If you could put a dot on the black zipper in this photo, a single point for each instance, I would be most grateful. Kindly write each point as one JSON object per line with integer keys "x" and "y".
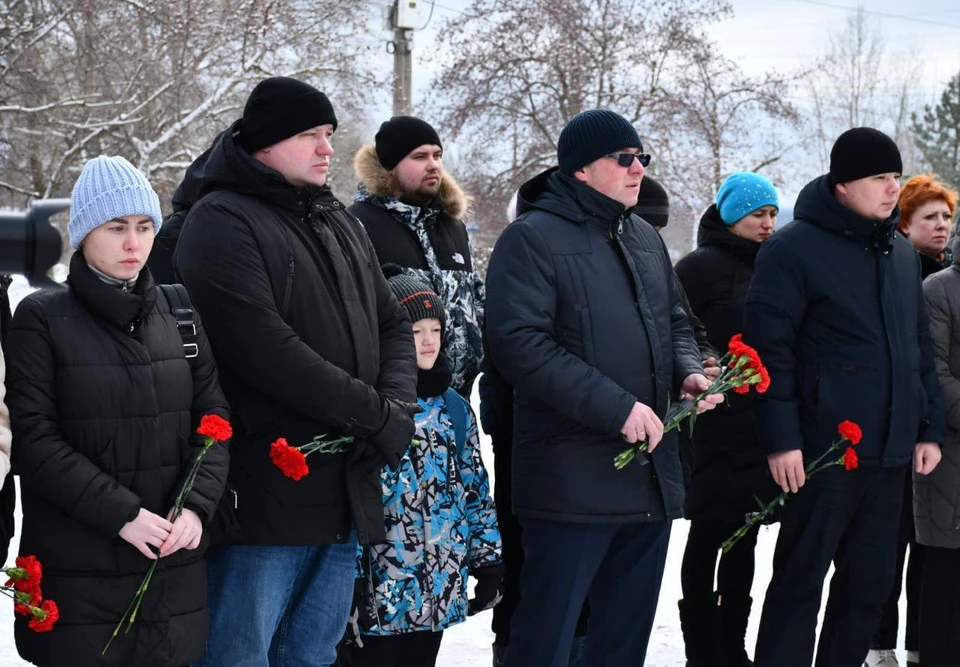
{"x": 291, "y": 274}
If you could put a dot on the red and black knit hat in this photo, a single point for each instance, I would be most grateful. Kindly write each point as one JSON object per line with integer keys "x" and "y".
{"x": 416, "y": 296}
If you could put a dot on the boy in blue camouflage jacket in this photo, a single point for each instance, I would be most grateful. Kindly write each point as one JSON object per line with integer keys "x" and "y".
{"x": 441, "y": 521}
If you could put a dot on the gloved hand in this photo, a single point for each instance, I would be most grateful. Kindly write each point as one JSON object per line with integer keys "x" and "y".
{"x": 489, "y": 588}
{"x": 394, "y": 436}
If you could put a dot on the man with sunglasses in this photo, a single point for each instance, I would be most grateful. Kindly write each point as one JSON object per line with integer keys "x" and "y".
{"x": 585, "y": 322}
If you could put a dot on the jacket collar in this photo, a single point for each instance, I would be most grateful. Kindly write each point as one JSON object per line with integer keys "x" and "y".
{"x": 713, "y": 232}
{"x": 568, "y": 198}
{"x": 108, "y": 302}
{"x": 818, "y": 205}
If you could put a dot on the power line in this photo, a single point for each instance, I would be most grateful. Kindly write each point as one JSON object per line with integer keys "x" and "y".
{"x": 900, "y": 17}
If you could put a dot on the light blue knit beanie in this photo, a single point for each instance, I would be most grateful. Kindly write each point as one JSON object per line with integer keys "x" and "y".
{"x": 109, "y": 187}
{"x": 743, "y": 193}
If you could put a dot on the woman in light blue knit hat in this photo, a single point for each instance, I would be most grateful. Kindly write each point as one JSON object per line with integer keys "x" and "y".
{"x": 730, "y": 468}
{"x": 104, "y": 405}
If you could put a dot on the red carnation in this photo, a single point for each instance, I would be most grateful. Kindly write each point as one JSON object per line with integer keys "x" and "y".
{"x": 215, "y": 427}
{"x": 44, "y": 619}
{"x": 764, "y": 380}
{"x": 29, "y": 583}
{"x": 850, "y": 459}
{"x": 290, "y": 460}
{"x": 850, "y": 431}
{"x": 742, "y": 389}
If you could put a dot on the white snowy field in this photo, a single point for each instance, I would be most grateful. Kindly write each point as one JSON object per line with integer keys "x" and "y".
{"x": 468, "y": 645}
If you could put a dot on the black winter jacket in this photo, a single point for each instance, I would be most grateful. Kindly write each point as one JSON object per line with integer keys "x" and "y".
{"x": 731, "y": 467}
{"x": 836, "y": 311}
{"x": 583, "y": 320}
{"x": 309, "y": 340}
{"x": 104, "y": 408}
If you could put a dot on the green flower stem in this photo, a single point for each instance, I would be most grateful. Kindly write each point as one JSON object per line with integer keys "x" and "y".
{"x": 765, "y": 510}
{"x": 130, "y": 615}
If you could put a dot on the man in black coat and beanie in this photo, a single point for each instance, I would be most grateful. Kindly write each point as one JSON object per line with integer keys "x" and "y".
{"x": 585, "y": 323}
{"x": 836, "y": 312}
{"x": 310, "y": 341}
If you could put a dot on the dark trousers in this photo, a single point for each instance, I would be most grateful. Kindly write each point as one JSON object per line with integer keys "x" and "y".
{"x": 940, "y": 608}
{"x": 850, "y": 519}
{"x": 886, "y": 637}
{"x": 411, "y": 649}
{"x": 619, "y": 566}
{"x": 512, "y": 553}
{"x": 735, "y": 574}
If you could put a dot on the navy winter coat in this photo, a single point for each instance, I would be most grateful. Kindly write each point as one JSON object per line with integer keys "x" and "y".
{"x": 583, "y": 320}
{"x": 836, "y": 311}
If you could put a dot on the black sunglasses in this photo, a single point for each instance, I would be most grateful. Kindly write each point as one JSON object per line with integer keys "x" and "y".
{"x": 626, "y": 159}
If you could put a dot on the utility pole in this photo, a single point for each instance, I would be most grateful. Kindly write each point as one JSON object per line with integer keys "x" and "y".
{"x": 404, "y": 19}
{"x": 402, "y": 70}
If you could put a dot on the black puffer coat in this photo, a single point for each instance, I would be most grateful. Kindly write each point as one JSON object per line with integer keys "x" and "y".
{"x": 104, "y": 407}
{"x": 583, "y": 320}
{"x": 731, "y": 467}
{"x": 309, "y": 340}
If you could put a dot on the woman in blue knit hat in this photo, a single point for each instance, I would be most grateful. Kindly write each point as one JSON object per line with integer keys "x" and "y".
{"x": 105, "y": 394}
{"x": 730, "y": 468}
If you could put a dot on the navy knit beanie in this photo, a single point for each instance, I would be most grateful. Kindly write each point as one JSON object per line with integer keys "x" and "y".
{"x": 653, "y": 204}
{"x": 592, "y": 134}
{"x": 279, "y": 108}
{"x": 862, "y": 152}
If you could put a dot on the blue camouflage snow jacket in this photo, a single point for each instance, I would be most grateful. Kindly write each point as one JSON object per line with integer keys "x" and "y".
{"x": 441, "y": 524}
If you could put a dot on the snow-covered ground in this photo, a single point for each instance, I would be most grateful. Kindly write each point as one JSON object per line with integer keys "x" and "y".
{"x": 468, "y": 645}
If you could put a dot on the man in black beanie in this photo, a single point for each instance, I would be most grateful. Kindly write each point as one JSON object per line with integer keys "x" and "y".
{"x": 585, "y": 323}
{"x": 836, "y": 312}
{"x": 309, "y": 340}
{"x": 413, "y": 211}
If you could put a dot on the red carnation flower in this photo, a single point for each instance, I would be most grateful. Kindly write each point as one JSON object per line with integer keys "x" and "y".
{"x": 44, "y": 619}
{"x": 850, "y": 431}
{"x": 215, "y": 427}
{"x": 742, "y": 389}
{"x": 850, "y": 459}
{"x": 764, "y": 380}
{"x": 30, "y": 582}
{"x": 290, "y": 460}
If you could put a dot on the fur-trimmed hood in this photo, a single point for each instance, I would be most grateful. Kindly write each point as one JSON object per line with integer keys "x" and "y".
{"x": 452, "y": 199}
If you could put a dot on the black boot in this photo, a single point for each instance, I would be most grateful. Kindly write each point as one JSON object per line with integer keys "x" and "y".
{"x": 698, "y": 622}
{"x": 499, "y": 653}
{"x": 734, "y": 614}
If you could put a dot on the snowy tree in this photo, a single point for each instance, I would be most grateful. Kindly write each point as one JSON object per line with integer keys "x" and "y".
{"x": 155, "y": 82}
{"x": 514, "y": 73}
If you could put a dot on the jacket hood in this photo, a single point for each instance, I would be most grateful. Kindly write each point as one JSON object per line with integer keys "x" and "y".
{"x": 227, "y": 166}
{"x": 713, "y": 232}
{"x": 568, "y": 198}
{"x": 451, "y": 199}
{"x": 818, "y": 205}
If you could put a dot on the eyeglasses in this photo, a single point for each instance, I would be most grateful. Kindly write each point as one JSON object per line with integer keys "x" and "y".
{"x": 626, "y": 159}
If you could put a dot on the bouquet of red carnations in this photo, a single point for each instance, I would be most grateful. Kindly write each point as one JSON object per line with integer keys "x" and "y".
{"x": 24, "y": 587}
{"x": 740, "y": 369}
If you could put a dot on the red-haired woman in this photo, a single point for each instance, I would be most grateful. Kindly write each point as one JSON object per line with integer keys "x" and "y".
{"x": 927, "y": 207}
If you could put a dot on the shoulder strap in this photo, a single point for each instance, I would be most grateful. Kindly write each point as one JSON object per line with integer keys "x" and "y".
{"x": 457, "y": 409}
{"x": 182, "y": 310}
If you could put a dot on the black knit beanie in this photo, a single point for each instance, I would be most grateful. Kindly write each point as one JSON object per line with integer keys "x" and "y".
{"x": 653, "y": 205}
{"x": 416, "y": 296}
{"x": 862, "y": 152}
{"x": 591, "y": 135}
{"x": 399, "y": 136}
{"x": 279, "y": 108}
